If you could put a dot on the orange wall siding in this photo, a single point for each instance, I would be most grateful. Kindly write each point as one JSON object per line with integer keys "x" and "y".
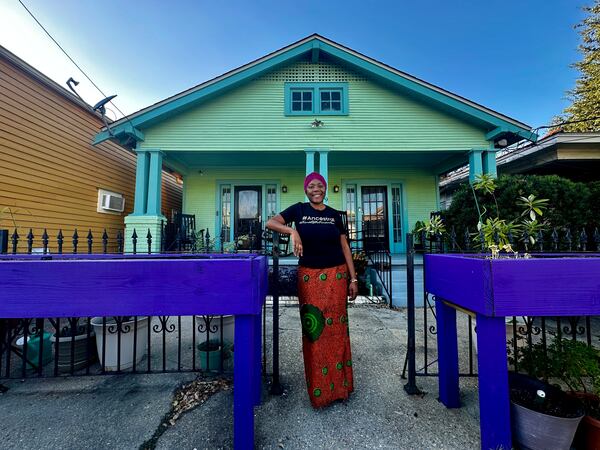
{"x": 49, "y": 171}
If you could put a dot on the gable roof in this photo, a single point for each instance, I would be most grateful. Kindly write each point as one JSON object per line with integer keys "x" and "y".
{"x": 129, "y": 129}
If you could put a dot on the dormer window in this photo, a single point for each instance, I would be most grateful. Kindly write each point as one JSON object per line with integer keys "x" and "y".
{"x": 304, "y": 99}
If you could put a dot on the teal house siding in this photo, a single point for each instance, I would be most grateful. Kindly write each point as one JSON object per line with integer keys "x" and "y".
{"x": 252, "y": 118}
{"x": 243, "y": 153}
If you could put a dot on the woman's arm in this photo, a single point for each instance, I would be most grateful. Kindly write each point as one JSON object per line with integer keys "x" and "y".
{"x": 277, "y": 223}
{"x": 353, "y": 287}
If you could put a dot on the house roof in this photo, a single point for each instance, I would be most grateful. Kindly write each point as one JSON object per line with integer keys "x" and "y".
{"x": 130, "y": 129}
{"x": 574, "y": 154}
{"x": 43, "y": 79}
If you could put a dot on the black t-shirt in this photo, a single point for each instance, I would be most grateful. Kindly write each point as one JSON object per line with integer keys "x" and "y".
{"x": 320, "y": 233}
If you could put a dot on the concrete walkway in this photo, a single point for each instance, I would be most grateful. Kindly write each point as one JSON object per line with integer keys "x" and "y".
{"x": 122, "y": 412}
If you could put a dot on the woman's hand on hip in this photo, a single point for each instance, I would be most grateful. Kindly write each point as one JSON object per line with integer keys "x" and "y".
{"x": 296, "y": 243}
{"x": 353, "y": 290}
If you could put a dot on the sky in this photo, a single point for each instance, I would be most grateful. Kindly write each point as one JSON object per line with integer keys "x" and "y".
{"x": 513, "y": 56}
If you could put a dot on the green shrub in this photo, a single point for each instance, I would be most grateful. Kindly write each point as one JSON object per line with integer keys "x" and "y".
{"x": 571, "y": 204}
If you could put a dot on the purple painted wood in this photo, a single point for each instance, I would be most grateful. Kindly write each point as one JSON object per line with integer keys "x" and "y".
{"x": 447, "y": 355}
{"x": 492, "y": 365}
{"x": 459, "y": 279}
{"x": 131, "y": 286}
{"x": 110, "y": 285}
{"x": 540, "y": 286}
{"x": 244, "y": 396}
{"x": 546, "y": 285}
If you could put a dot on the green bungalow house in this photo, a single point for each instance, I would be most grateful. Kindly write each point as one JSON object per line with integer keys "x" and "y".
{"x": 244, "y": 141}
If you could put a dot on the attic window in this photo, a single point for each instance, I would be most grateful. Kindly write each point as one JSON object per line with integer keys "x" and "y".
{"x": 302, "y": 100}
{"x": 306, "y": 99}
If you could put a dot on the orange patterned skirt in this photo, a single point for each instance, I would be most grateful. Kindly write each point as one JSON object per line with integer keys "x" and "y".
{"x": 323, "y": 297}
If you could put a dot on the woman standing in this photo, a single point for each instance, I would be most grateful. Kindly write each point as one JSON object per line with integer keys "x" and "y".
{"x": 326, "y": 277}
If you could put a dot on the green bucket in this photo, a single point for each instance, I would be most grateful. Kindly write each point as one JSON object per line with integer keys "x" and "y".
{"x": 33, "y": 349}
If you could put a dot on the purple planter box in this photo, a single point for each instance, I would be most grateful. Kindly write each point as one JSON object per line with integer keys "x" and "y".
{"x": 37, "y": 286}
{"x": 549, "y": 285}
{"x": 545, "y": 285}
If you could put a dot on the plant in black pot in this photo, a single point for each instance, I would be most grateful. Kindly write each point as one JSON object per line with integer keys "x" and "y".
{"x": 542, "y": 415}
{"x": 577, "y": 366}
{"x": 360, "y": 266}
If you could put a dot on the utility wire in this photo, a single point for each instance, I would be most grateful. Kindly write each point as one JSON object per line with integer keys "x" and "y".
{"x": 70, "y": 59}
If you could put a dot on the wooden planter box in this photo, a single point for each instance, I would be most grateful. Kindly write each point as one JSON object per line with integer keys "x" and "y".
{"x": 39, "y": 286}
{"x": 545, "y": 285}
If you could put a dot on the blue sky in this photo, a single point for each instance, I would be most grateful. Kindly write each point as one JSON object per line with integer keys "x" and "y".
{"x": 512, "y": 56}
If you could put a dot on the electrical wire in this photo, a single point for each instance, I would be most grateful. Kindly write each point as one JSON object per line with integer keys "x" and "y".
{"x": 71, "y": 59}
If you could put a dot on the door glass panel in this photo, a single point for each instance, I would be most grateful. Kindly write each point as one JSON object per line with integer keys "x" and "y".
{"x": 271, "y": 201}
{"x": 397, "y": 213}
{"x": 375, "y": 230}
{"x": 351, "y": 210}
{"x": 248, "y": 215}
{"x": 225, "y": 213}
{"x": 248, "y": 204}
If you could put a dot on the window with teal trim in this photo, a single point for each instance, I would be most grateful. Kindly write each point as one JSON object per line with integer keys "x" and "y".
{"x": 331, "y": 100}
{"x": 397, "y": 213}
{"x": 225, "y": 212}
{"x": 271, "y": 201}
{"x": 302, "y": 100}
{"x": 316, "y": 99}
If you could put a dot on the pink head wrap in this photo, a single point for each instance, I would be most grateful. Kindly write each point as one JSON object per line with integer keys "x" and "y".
{"x": 314, "y": 176}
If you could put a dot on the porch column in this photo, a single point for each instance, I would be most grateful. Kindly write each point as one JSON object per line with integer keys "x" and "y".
{"x": 154, "y": 183}
{"x": 141, "y": 183}
{"x": 310, "y": 161}
{"x": 323, "y": 163}
{"x": 489, "y": 163}
{"x": 475, "y": 164}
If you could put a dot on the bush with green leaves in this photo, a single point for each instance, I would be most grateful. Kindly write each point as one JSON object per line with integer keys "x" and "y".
{"x": 570, "y": 204}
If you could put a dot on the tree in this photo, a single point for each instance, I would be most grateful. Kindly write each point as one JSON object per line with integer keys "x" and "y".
{"x": 586, "y": 94}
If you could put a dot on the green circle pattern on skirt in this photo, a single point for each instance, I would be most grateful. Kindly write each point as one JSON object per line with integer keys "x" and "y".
{"x": 338, "y": 276}
{"x": 329, "y": 321}
{"x": 331, "y": 386}
{"x": 324, "y": 370}
{"x": 323, "y": 277}
{"x": 349, "y": 363}
{"x": 313, "y": 322}
{"x": 317, "y": 392}
{"x": 306, "y": 278}
{"x": 339, "y": 366}
{"x": 343, "y": 319}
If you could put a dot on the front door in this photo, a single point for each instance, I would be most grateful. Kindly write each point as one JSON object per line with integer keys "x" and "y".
{"x": 247, "y": 217}
{"x": 374, "y": 217}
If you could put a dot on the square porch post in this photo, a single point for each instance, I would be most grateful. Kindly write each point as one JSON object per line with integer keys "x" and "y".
{"x": 154, "y": 183}
{"x": 141, "y": 183}
{"x": 489, "y": 163}
{"x": 310, "y": 161}
{"x": 475, "y": 164}
{"x": 324, "y": 166}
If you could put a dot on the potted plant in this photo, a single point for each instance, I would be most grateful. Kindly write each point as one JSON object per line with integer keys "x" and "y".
{"x": 75, "y": 346}
{"x": 211, "y": 352}
{"x": 121, "y": 329}
{"x": 360, "y": 266}
{"x": 543, "y": 416}
{"x": 577, "y": 366}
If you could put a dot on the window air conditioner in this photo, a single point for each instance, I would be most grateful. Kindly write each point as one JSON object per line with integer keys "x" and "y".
{"x": 112, "y": 202}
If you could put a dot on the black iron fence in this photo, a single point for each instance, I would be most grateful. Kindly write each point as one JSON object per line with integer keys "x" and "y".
{"x": 104, "y": 345}
{"x": 522, "y": 332}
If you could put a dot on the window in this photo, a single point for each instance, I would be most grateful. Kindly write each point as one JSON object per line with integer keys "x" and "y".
{"x": 302, "y": 100}
{"x": 316, "y": 99}
{"x": 397, "y": 213}
{"x": 331, "y": 100}
{"x": 225, "y": 212}
{"x": 271, "y": 201}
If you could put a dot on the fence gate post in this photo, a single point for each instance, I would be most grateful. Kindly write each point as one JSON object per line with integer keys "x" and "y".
{"x": 411, "y": 387}
{"x": 276, "y": 388}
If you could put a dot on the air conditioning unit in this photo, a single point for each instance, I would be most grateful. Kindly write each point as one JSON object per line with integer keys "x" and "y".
{"x": 111, "y": 201}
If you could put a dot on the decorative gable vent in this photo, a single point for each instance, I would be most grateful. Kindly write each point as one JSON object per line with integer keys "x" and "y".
{"x": 110, "y": 202}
